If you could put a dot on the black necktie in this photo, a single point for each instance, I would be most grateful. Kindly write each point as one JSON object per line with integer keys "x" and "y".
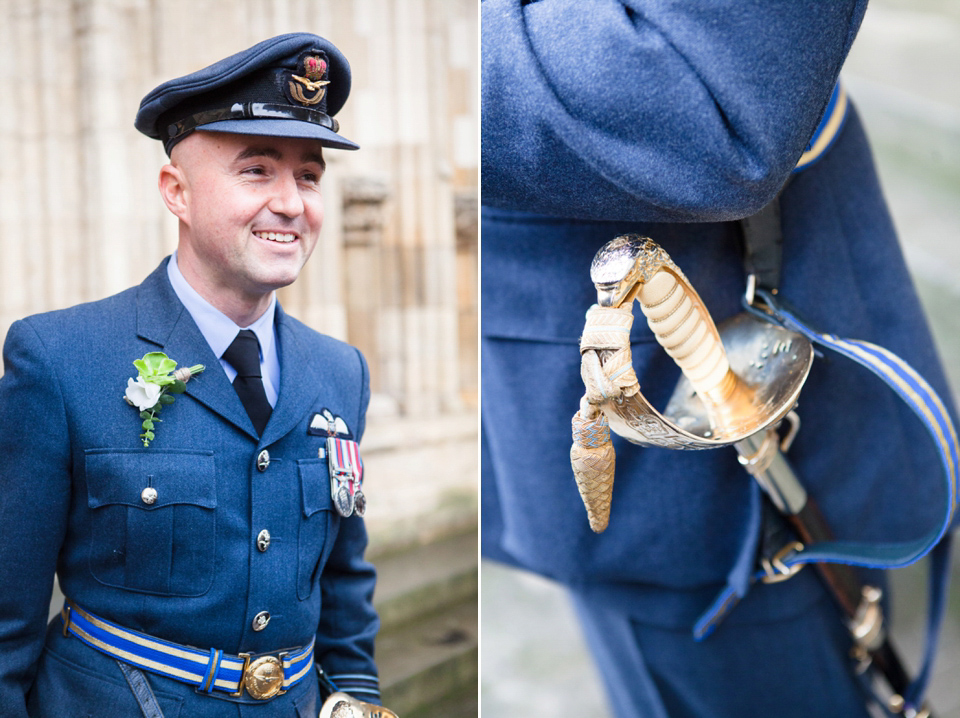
{"x": 244, "y": 356}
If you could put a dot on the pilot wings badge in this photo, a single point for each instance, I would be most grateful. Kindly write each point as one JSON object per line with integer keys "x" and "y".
{"x": 326, "y": 423}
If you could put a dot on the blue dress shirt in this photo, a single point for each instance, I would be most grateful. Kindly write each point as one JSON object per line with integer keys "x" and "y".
{"x": 220, "y": 330}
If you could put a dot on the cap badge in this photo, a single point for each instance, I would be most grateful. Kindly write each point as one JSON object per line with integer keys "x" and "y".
{"x": 310, "y": 88}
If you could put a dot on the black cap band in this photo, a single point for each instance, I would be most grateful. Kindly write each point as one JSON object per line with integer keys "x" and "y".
{"x": 247, "y": 110}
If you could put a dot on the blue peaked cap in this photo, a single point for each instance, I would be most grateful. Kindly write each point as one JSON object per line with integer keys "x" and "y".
{"x": 288, "y": 86}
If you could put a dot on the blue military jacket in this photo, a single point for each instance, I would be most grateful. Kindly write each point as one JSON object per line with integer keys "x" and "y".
{"x": 186, "y": 568}
{"x": 671, "y": 120}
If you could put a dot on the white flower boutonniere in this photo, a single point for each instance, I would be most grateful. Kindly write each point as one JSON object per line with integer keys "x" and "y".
{"x": 154, "y": 388}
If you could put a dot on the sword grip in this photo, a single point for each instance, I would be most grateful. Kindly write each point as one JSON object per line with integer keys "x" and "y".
{"x": 684, "y": 328}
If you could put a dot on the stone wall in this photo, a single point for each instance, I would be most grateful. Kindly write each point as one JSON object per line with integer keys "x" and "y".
{"x": 81, "y": 218}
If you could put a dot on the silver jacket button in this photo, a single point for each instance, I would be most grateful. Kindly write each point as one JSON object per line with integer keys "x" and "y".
{"x": 261, "y": 620}
{"x": 263, "y": 460}
{"x": 263, "y": 540}
{"x": 149, "y": 495}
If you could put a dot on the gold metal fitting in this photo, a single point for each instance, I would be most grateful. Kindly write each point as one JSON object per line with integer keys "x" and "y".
{"x": 263, "y": 678}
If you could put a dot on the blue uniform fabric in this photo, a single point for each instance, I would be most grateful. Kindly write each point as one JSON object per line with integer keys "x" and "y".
{"x": 185, "y": 569}
{"x": 670, "y": 119}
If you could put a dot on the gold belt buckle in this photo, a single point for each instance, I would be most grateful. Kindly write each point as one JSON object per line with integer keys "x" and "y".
{"x": 263, "y": 678}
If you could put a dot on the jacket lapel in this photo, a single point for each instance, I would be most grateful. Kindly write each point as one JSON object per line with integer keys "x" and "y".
{"x": 300, "y": 382}
{"x": 163, "y": 320}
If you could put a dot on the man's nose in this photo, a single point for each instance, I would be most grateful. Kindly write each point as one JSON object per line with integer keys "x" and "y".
{"x": 286, "y": 199}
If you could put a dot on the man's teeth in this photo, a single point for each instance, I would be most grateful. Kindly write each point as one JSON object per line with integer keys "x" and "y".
{"x": 276, "y": 236}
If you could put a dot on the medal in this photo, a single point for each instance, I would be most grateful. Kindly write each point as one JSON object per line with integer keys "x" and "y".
{"x": 346, "y": 476}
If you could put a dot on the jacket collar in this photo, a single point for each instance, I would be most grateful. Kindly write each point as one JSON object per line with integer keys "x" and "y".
{"x": 163, "y": 320}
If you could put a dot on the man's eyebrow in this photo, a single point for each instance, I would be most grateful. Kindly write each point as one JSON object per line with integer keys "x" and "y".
{"x": 314, "y": 157}
{"x": 252, "y": 152}
{"x": 275, "y": 154}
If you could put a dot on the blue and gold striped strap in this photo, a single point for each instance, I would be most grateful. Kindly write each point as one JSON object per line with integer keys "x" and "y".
{"x": 828, "y": 130}
{"x": 929, "y": 408}
{"x": 206, "y": 670}
{"x": 364, "y": 686}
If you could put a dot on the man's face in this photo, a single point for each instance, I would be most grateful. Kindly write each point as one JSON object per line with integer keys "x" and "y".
{"x": 252, "y": 211}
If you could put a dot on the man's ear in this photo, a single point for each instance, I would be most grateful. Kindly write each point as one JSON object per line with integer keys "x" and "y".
{"x": 175, "y": 191}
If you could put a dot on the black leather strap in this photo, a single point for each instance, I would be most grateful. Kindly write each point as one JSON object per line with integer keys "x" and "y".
{"x": 763, "y": 246}
{"x": 247, "y": 111}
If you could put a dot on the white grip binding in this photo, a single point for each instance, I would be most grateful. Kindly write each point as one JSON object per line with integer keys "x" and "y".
{"x": 683, "y": 327}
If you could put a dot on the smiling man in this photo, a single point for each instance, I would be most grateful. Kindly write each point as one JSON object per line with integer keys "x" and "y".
{"x": 250, "y": 212}
{"x": 211, "y": 553}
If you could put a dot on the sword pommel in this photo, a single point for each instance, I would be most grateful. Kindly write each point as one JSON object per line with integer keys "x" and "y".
{"x": 622, "y": 265}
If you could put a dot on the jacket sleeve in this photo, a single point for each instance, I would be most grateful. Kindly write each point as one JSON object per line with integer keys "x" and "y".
{"x": 348, "y": 621}
{"x": 653, "y": 110}
{"x": 34, "y": 499}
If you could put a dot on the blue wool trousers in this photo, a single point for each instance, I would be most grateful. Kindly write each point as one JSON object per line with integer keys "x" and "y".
{"x": 743, "y": 670}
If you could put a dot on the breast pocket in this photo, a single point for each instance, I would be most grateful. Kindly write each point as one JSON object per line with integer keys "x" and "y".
{"x": 153, "y": 527}
{"x": 318, "y": 525}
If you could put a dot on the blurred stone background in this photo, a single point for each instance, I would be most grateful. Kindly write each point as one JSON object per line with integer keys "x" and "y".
{"x": 395, "y": 272}
{"x": 903, "y": 76}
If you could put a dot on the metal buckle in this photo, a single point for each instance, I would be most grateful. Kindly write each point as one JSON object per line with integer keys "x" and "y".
{"x": 867, "y": 625}
{"x": 263, "y": 678}
{"x": 776, "y": 569}
{"x": 66, "y": 619}
{"x": 751, "y": 292}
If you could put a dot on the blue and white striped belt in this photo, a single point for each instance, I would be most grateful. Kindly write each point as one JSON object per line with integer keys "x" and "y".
{"x": 263, "y": 677}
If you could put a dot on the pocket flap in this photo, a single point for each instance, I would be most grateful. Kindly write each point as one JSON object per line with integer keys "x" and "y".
{"x": 314, "y": 486}
{"x": 119, "y": 476}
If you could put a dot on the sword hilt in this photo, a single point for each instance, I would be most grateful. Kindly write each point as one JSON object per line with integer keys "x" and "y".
{"x": 737, "y": 380}
{"x": 684, "y": 328}
{"x": 633, "y": 267}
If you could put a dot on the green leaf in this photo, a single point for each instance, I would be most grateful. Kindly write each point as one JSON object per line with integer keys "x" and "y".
{"x": 146, "y": 414}
{"x": 178, "y": 387}
{"x": 160, "y": 380}
{"x": 149, "y": 435}
{"x": 142, "y": 368}
{"x": 166, "y": 399}
{"x": 148, "y": 424}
